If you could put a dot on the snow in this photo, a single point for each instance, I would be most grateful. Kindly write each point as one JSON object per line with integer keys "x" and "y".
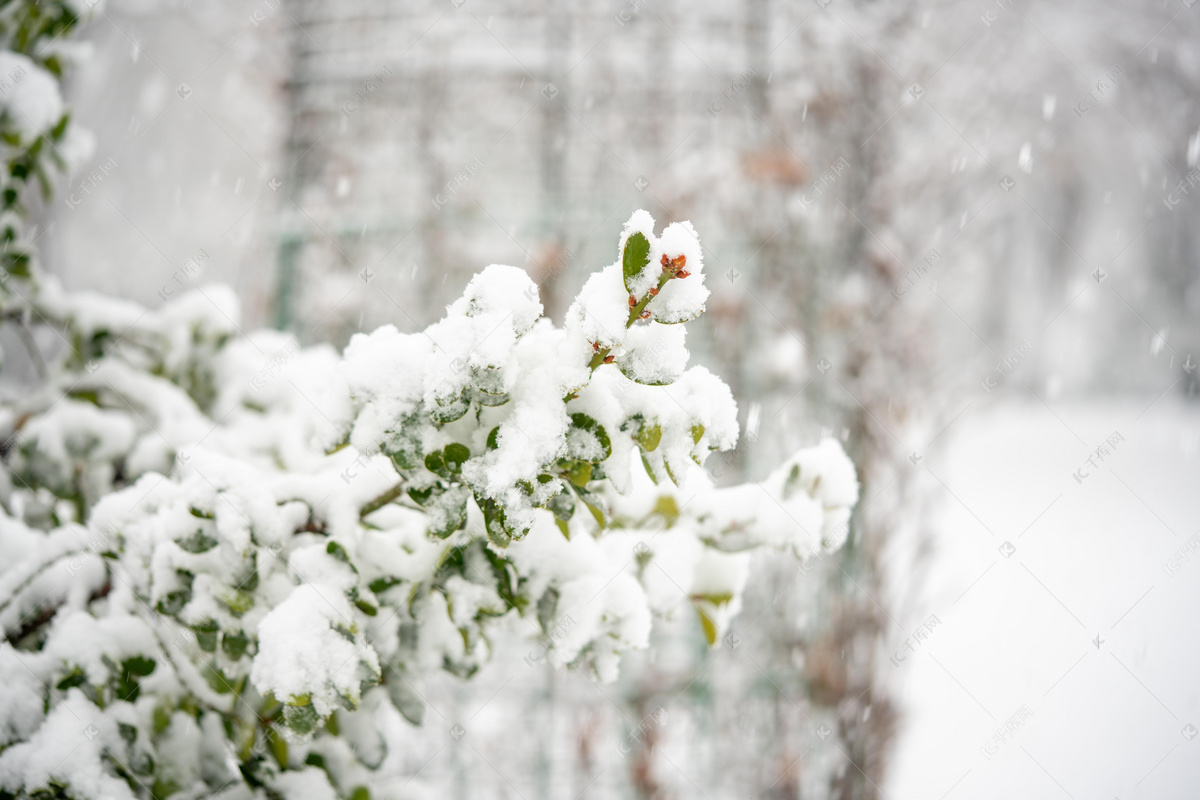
{"x": 654, "y": 353}
{"x": 71, "y": 433}
{"x": 706, "y": 399}
{"x": 468, "y": 599}
{"x": 308, "y": 646}
{"x": 66, "y": 748}
{"x": 605, "y": 616}
{"x": 384, "y": 373}
{"x": 304, "y": 784}
{"x": 21, "y": 701}
{"x": 683, "y": 298}
{"x": 29, "y": 95}
{"x": 1025, "y": 158}
{"x": 36, "y": 568}
{"x": 1113, "y": 558}
{"x": 825, "y": 473}
{"x": 179, "y": 749}
{"x": 78, "y": 639}
{"x": 600, "y": 310}
{"x": 499, "y": 291}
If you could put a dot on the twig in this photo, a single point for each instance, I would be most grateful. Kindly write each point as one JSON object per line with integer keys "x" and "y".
{"x": 382, "y": 500}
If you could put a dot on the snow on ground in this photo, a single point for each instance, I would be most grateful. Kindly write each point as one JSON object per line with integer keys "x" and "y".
{"x": 1066, "y": 657}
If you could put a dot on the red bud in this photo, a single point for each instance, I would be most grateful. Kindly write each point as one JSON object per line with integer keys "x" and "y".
{"x": 675, "y": 266}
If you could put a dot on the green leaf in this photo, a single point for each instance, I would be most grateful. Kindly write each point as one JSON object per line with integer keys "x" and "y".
{"x": 198, "y": 542}
{"x": 382, "y": 584}
{"x": 489, "y": 399}
{"x": 704, "y": 603}
{"x": 697, "y": 433}
{"x": 404, "y": 446}
{"x": 173, "y": 602}
{"x": 649, "y": 436}
{"x": 218, "y": 681}
{"x": 562, "y": 504}
{"x": 454, "y": 456}
{"x": 270, "y": 708}
{"x": 161, "y": 718}
{"x": 138, "y": 665}
{"x": 595, "y": 504}
{"x": 494, "y": 520}
{"x": 279, "y": 746}
{"x": 247, "y": 580}
{"x": 649, "y": 469}
{"x": 635, "y": 258}
{"x": 670, "y": 473}
{"x": 791, "y": 483}
{"x": 584, "y": 436}
{"x": 448, "y": 513}
{"x": 301, "y": 719}
{"x": 492, "y": 439}
{"x": 238, "y": 602}
{"x": 488, "y": 379}
{"x": 421, "y": 495}
{"x": 163, "y": 788}
{"x": 206, "y": 635}
{"x": 234, "y": 645}
{"x": 628, "y": 364}
{"x": 450, "y": 409}
{"x": 366, "y": 607}
{"x": 579, "y": 472}
{"x": 666, "y": 507}
{"x": 508, "y": 582}
{"x": 404, "y": 697}
{"x": 336, "y": 550}
{"x": 710, "y": 627}
{"x": 435, "y": 462}
{"x": 73, "y": 678}
{"x": 61, "y": 127}
{"x": 547, "y": 604}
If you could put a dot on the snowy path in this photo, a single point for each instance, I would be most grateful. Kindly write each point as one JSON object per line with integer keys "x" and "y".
{"x": 1067, "y": 661}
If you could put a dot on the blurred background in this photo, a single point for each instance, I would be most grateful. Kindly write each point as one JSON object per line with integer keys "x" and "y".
{"x": 960, "y": 236}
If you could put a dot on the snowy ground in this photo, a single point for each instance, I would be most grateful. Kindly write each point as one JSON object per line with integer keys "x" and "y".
{"x": 1066, "y": 659}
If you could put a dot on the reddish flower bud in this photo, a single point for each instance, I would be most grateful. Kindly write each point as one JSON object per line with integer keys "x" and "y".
{"x": 609, "y": 359}
{"x": 653, "y": 291}
{"x": 632, "y": 301}
{"x": 645, "y": 314}
{"x": 674, "y": 266}
{"x": 683, "y": 273}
